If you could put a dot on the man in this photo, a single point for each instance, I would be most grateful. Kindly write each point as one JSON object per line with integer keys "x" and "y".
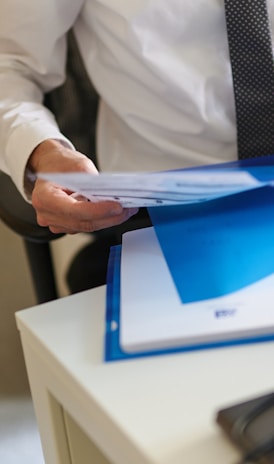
{"x": 162, "y": 70}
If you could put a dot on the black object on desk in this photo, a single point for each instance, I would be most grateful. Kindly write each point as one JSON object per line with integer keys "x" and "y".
{"x": 250, "y": 425}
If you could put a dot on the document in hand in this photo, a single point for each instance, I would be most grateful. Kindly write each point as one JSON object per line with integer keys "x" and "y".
{"x": 183, "y": 186}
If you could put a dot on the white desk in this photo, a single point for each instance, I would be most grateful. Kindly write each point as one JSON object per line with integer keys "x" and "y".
{"x": 153, "y": 410}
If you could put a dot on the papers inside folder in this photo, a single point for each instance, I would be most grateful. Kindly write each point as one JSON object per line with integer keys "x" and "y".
{"x": 153, "y": 317}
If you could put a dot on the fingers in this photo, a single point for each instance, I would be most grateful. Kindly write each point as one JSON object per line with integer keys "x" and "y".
{"x": 57, "y": 208}
{"x": 91, "y": 226}
{"x": 63, "y": 213}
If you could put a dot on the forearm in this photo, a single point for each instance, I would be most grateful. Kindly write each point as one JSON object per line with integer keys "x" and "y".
{"x": 24, "y": 121}
{"x": 23, "y": 126}
{"x": 32, "y": 62}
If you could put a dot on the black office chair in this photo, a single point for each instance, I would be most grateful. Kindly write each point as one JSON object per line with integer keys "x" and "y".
{"x": 74, "y": 105}
{"x": 20, "y": 217}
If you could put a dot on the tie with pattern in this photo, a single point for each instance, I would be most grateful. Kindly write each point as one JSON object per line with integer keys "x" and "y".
{"x": 252, "y": 65}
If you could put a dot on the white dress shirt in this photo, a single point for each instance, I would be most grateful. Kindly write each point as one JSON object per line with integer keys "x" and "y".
{"x": 161, "y": 67}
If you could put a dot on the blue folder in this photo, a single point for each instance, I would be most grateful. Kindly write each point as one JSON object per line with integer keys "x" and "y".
{"x": 211, "y": 248}
{"x": 112, "y": 349}
{"x": 220, "y": 246}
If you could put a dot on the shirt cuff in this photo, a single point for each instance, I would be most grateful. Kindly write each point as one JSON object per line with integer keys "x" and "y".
{"x": 20, "y": 146}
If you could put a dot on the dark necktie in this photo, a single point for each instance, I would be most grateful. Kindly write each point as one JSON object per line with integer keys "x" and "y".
{"x": 253, "y": 75}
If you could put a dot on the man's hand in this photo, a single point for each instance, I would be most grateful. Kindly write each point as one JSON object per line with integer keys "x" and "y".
{"x": 57, "y": 208}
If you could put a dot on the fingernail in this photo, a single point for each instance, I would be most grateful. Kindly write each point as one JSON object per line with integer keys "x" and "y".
{"x": 116, "y": 210}
{"x": 134, "y": 210}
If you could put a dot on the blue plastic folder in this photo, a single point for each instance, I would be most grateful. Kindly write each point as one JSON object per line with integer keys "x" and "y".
{"x": 112, "y": 349}
{"x": 220, "y": 246}
{"x": 217, "y": 331}
{"x": 212, "y": 249}
{"x": 216, "y": 247}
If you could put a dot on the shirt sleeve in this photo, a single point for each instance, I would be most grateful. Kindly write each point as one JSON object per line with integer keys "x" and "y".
{"x": 32, "y": 62}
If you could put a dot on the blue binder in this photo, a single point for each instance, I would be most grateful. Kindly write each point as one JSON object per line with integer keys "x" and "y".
{"x": 220, "y": 246}
{"x": 112, "y": 348}
{"x": 230, "y": 238}
{"x": 211, "y": 248}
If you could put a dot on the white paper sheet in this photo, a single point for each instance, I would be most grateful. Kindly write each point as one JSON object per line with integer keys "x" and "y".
{"x": 155, "y": 189}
